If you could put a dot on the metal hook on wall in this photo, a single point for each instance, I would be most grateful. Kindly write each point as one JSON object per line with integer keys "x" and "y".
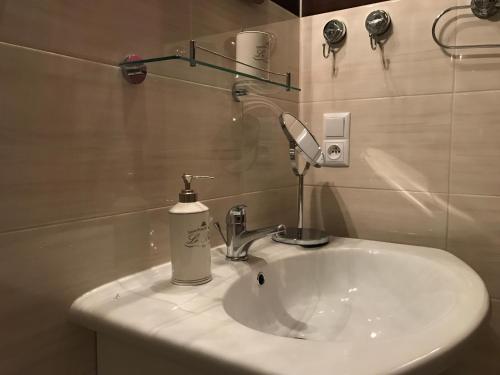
{"x": 334, "y": 33}
{"x": 330, "y": 50}
{"x": 378, "y": 24}
{"x": 326, "y": 55}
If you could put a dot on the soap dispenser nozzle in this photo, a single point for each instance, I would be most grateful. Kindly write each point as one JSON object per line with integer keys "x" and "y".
{"x": 188, "y": 195}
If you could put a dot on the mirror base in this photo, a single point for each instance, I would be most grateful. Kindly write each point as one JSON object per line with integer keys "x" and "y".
{"x": 302, "y": 237}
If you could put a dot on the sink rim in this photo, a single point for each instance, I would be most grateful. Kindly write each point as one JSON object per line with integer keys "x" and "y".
{"x": 192, "y": 319}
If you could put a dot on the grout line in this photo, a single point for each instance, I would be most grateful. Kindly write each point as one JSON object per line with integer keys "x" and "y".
{"x": 474, "y": 195}
{"x": 476, "y": 92}
{"x": 376, "y": 98}
{"x": 132, "y": 212}
{"x": 453, "y": 93}
{"x": 450, "y": 140}
{"x": 380, "y": 189}
{"x": 407, "y": 191}
{"x": 47, "y": 52}
{"x": 255, "y": 95}
{"x": 450, "y": 157}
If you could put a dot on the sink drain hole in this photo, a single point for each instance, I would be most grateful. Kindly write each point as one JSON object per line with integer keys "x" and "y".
{"x": 261, "y": 279}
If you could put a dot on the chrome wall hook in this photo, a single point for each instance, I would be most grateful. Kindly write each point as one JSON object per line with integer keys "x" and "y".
{"x": 331, "y": 51}
{"x": 378, "y": 24}
{"x": 326, "y": 54}
{"x": 373, "y": 42}
{"x": 334, "y": 32}
{"x": 385, "y": 62}
{"x": 484, "y": 8}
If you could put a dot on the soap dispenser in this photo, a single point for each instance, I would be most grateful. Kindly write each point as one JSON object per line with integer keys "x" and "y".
{"x": 189, "y": 239}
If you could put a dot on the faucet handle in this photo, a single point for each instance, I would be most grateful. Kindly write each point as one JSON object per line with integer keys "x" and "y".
{"x": 238, "y": 208}
{"x": 281, "y": 229}
{"x": 237, "y": 215}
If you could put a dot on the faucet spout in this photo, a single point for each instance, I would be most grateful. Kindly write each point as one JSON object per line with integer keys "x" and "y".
{"x": 242, "y": 243}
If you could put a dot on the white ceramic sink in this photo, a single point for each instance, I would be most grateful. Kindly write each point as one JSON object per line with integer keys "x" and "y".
{"x": 352, "y": 307}
{"x": 357, "y": 296}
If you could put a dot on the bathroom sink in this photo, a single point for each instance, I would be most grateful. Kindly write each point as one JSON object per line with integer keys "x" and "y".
{"x": 352, "y": 307}
{"x": 358, "y": 296}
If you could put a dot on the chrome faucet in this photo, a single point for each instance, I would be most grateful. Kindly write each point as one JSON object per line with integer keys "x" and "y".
{"x": 239, "y": 239}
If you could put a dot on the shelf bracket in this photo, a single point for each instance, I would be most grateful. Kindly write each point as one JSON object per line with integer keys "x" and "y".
{"x": 134, "y": 73}
{"x": 238, "y": 91}
{"x": 288, "y": 81}
{"x": 192, "y": 52}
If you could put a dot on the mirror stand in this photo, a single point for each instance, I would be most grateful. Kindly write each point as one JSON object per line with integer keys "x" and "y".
{"x": 300, "y": 235}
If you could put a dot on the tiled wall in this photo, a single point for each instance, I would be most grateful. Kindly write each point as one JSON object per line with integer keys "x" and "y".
{"x": 425, "y": 141}
{"x": 89, "y": 164}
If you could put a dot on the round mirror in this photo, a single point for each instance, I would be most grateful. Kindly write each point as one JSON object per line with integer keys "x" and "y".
{"x": 298, "y": 133}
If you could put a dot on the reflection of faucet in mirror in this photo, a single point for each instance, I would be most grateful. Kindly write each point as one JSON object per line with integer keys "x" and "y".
{"x": 302, "y": 142}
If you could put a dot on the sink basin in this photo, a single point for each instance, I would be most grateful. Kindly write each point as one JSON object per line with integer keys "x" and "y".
{"x": 355, "y": 296}
{"x": 352, "y": 307}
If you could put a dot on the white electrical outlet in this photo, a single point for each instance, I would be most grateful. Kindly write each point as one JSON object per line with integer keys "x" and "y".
{"x": 336, "y": 131}
{"x": 336, "y": 153}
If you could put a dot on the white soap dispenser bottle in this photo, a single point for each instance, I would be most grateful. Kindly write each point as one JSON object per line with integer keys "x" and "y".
{"x": 189, "y": 237}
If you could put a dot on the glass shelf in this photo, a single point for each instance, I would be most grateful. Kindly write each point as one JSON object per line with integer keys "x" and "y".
{"x": 219, "y": 75}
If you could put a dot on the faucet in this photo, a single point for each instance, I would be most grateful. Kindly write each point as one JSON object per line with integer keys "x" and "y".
{"x": 239, "y": 239}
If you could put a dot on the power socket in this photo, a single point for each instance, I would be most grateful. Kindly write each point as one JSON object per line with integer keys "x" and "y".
{"x": 336, "y": 153}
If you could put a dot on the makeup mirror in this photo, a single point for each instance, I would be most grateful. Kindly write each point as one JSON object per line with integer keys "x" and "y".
{"x": 303, "y": 139}
{"x": 301, "y": 142}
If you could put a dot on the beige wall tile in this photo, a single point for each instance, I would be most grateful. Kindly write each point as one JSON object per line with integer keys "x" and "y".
{"x": 382, "y": 215}
{"x": 264, "y": 148}
{"x": 108, "y": 31}
{"x": 88, "y": 144}
{"x": 475, "y": 160}
{"x": 482, "y": 356}
{"x": 396, "y": 143}
{"x": 43, "y": 270}
{"x": 417, "y": 64}
{"x": 218, "y": 16}
{"x": 477, "y": 69}
{"x": 104, "y": 31}
{"x": 474, "y": 236}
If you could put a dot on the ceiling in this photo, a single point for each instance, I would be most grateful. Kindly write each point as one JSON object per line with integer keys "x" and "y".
{"x": 311, "y": 7}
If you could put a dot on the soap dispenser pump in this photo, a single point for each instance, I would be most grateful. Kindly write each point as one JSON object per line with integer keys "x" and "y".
{"x": 189, "y": 239}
